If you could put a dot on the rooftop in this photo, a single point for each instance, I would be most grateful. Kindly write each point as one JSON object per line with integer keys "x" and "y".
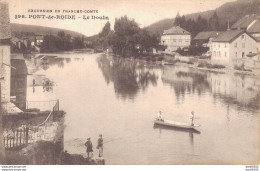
{"x": 205, "y": 35}
{"x": 255, "y": 28}
{"x": 228, "y": 36}
{"x": 244, "y": 22}
{"x": 176, "y": 30}
{"x": 5, "y": 29}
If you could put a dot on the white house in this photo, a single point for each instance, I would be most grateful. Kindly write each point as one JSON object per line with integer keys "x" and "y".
{"x": 251, "y": 24}
{"x": 231, "y": 46}
{"x": 39, "y": 40}
{"x": 175, "y": 38}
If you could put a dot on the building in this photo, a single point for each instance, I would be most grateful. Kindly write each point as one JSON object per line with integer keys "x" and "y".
{"x": 175, "y": 38}
{"x": 251, "y": 24}
{"x": 205, "y": 39}
{"x": 5, "y": 36}
{"x": 16, "y": 43}
{"x": 245, "y": 23}
{"x": 19, "y": 82}
{"x": 39, "y": 40}
{"x": 231, "y": 46}
{"x": 5, "y": 61}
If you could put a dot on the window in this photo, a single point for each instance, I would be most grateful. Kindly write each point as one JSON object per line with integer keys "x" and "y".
{"x": 214, "y": 53}
{"x": 243, "y": 45}
{"x": 225, "y": 45}
{"x": 235, "y": 54}
{"x": 235, "y": 45}
{"x": 174, "y": 40}
{"x": 243, "y": 36}
{"x": 225, "y": 54}
{"x": 180, "y": 40}
{"x": 219, "y": 45}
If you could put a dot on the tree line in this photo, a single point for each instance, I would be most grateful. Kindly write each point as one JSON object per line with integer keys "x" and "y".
{"x": 200, "y": 24}
{"x": 61, "y": 42}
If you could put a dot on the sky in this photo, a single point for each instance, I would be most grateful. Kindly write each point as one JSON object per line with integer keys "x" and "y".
{"x": 145, "y": 12}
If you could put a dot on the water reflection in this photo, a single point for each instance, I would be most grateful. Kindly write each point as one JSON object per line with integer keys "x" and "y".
{"x": 235, "y": 90}
{"x": 45, "y": 62}
{"x": 128, "y": 76}
{"x": 175, "y": 129}
{"x": 184, "y": 80}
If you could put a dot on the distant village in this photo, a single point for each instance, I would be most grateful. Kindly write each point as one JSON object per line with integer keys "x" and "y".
{"x": 237, "y": 46}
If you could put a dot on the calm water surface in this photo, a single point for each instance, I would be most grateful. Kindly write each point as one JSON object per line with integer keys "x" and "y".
{"x": 119, "y": 98}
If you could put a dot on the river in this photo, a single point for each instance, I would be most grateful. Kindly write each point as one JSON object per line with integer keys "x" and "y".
{"x": 119, "y": 99}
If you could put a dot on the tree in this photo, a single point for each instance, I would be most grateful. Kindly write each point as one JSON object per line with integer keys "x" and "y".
{"x": 105, "y": 31}
{"x": 129, "y": 39}
{"x": 214, "y": 22}
{"x": 123, "y": 40}
{"x": 177, "y": 20}
{"x": 61, "y": 34}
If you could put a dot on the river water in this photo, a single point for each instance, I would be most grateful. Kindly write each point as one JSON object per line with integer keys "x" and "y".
{"x": 119, "y": 98}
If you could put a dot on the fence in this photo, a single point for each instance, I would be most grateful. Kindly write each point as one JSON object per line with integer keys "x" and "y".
{"x": 19, "y": 138}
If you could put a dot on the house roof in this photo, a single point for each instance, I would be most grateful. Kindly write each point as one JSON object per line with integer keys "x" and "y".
{"x": 39, "y": 37}
{"x": 32, "y": 38}
{"x": 245, "y": 21}
{"x": 5, "y": 28}
{"x": 176, "y": 30}
{"x": 255, "y": 28}
{"x": 228, "y": 36}
{"x": 205, "y": 35}
{"x": 15, "y": 39}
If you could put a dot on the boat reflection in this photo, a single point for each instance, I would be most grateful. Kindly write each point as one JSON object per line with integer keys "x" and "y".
{"x": 163, "y": 127}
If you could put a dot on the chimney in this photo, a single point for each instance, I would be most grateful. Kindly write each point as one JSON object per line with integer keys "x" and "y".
{"x": 228, "y": 25}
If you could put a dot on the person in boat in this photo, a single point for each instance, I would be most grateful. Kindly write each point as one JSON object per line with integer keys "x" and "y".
{"x": 89, "y": 146}
{"x": 100, "y": 146}
{"x": 160, "y": 118}
{"x": 192, "y": 118}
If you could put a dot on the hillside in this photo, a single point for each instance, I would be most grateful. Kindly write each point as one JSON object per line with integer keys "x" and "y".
{"x": 231, "y": 11}
{"x": 41, "y": 30}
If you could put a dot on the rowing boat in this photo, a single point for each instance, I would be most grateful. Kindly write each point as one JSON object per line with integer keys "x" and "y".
{"x": 175, "y": 124}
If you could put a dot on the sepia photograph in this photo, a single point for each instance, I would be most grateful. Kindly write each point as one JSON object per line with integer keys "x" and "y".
{"x": 129, "y": 82}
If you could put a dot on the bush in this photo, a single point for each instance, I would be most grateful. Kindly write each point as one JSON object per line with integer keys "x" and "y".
{"x": 202, "y": 65}
{"x": 210, "y": 66}
{"x": 241, "y": 68}
{"x": 160, "y": 58}
{"x": 218, "y": 66}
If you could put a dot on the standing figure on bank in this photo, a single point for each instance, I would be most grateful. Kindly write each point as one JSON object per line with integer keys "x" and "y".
{"x": 191, "y": 118}
{"x": 160, "y": 118}
{"x": 100, "y": 145}
{"x": 89, "y": 146}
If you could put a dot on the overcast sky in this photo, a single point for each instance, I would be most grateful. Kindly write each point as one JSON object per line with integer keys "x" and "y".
{"x": 145, "y": 12}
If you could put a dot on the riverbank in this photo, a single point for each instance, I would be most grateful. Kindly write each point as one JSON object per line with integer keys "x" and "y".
{"x": 44, "y": 144}
{"x": 192, "y": 62}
